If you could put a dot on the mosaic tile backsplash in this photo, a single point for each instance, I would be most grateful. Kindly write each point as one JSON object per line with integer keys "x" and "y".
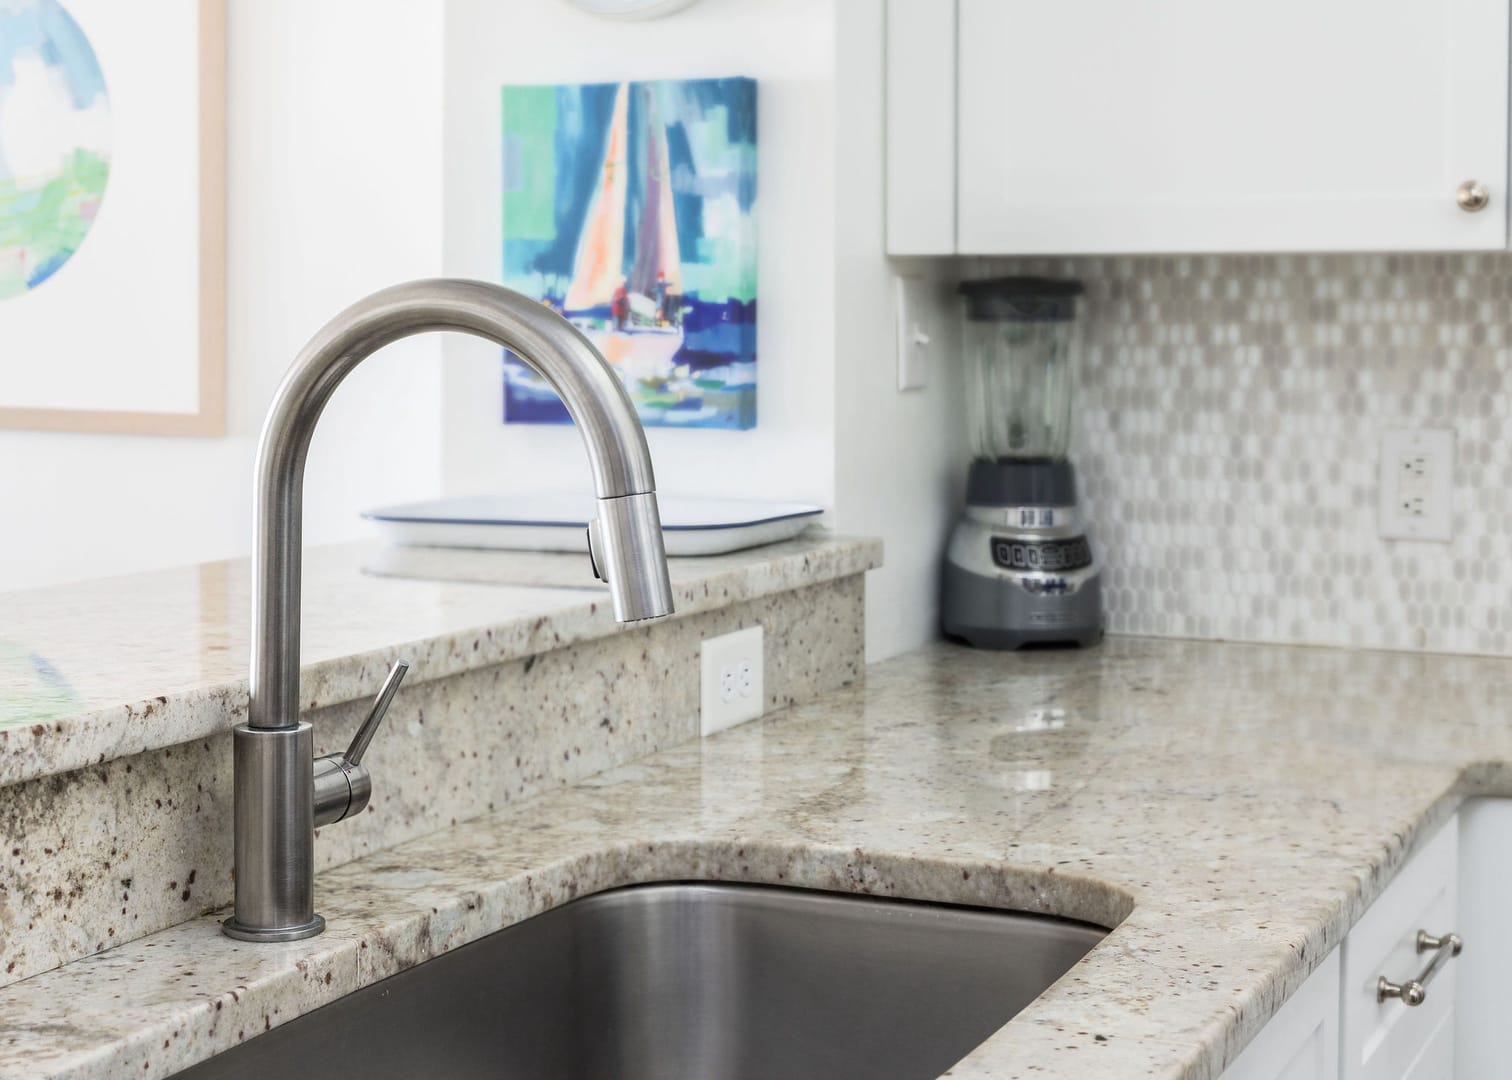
{"x": 1230, "y": 412}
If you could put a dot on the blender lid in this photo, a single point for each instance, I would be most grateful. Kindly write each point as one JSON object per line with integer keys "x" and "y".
{"x": 1021, "y": 299}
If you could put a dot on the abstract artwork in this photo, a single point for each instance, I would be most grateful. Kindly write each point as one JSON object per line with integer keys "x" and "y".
{"x": 630, "y": 209}
{"x": 54, "y": 141}
{"x": 112, "y": 216}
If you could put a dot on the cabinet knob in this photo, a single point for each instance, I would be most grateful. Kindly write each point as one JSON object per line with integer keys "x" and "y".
{"x": 1472, "y": 196}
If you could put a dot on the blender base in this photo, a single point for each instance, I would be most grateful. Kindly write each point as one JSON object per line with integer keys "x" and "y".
{"x": 999, "y": 613}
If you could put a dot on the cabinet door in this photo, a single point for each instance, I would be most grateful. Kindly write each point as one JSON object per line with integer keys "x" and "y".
{"x": 1253, "y": 125}
{"x": 1301, "y": 1042}
{"x": 1389, "y": 1040}
{"x": 1483, "y": 1042}
{"x": 921, "y": 134}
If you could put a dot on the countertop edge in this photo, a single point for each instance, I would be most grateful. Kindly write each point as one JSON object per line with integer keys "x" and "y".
{"x": 369, "y": 943}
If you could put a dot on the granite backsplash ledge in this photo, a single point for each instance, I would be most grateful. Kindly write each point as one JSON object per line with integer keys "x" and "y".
{"x": 107, "y": 853}
{"x": 1229, "y": 418}
{"x": 106, "y": 669}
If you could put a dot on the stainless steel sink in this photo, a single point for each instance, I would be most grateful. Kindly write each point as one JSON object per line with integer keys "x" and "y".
{"x": 689, "y": 982}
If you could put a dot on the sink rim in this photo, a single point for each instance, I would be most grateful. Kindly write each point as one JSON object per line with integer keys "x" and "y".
{"x": 404, "y": 905}
{"x": 882, "y": 927}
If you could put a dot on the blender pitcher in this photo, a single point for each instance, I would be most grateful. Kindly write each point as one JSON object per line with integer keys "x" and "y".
{"x": 1019, "y": 569}
{"x": 1017, "y": 339}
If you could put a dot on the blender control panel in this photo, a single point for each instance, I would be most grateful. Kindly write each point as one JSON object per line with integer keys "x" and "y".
{"x": 1044, "y": 556}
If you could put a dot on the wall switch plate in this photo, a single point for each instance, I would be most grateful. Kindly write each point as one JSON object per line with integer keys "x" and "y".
{"x": 913, "y": 305}
{"x": 1417, "y": 485}
{"x": 731, "y": 688}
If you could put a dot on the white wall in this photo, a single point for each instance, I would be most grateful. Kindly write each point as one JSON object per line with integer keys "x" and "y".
{"x": 352, "y": 123}
{"x": 786, "y": 44}
{"x": 334, "y": 175}
{"x": 900, "y": 456}
{"x": 833, "y": 429}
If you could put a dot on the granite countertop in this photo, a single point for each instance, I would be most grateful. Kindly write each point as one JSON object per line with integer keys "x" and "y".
{"x": 104, "y": 669}
{"x": 1231, "y": 809}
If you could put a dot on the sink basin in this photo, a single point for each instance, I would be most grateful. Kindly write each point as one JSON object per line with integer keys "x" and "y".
{"x": 689, "y": 982}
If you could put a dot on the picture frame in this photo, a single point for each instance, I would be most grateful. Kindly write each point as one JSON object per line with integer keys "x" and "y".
{"x": 168, "y": 376}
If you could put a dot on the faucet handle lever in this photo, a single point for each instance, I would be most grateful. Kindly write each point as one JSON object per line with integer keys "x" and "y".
{"x": 342, "y": 783}
{"x": 375, "y": 715}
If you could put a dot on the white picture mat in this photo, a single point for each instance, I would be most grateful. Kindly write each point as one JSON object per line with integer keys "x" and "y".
{"x": 117, "y": 327}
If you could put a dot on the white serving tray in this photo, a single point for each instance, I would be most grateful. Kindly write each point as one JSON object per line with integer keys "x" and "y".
{"x": 550, "y": 521}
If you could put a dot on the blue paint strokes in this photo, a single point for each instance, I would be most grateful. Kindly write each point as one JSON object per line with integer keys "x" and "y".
{"x": 715, "y": 334}
{"x": 687, "y": 198}
{"x": 47, "y": 269}
{"x": 585, "y": 127}
{"x": 514, "y": 169}
{"x": 687, "y": 355}
{"x": 737, "y": 99}
{"x": 69, "y": 49}
{"x": 44, "y": 30}
{"x": 532, "y": 405}
{"x": 50, "y": 675}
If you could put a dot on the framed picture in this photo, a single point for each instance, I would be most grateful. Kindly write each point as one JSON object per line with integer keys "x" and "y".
{"x": 630, "y": 208}
{"x": 112, "y": 215}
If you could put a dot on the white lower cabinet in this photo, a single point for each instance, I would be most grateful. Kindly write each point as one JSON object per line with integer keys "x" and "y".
{"x": 1483, "y": 1034}
{"x": 1338, "y": 1026}
{"x": 1389, "y": 1039}
{"x": 1301, "y": 1042}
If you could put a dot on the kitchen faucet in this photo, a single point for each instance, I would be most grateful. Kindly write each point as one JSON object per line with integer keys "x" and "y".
{"x": 282, "y": 791}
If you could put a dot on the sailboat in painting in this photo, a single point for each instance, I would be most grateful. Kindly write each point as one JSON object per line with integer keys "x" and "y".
{"x": 685, "y": 352}
{"x": 648, "y": 298}
{"x": 599, "y": 267}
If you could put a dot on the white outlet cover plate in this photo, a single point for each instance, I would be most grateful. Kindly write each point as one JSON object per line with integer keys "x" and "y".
{"x": 1435, "y": 519}
{"x": 722, "y": 662}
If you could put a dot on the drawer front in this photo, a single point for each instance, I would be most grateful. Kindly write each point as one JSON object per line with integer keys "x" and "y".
{"x": 1389, "y": 1040}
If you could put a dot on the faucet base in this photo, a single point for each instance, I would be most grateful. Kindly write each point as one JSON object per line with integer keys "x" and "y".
{"x": 233, "y": 929}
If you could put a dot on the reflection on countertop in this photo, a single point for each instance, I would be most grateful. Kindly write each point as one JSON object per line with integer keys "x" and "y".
{"x": 1230, "y": 809}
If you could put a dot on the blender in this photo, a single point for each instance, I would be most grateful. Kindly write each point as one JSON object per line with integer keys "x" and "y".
{"x": 1019, "y": 569}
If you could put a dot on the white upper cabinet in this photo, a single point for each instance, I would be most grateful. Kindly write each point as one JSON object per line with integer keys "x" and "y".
{"x": 1191, "y": 126}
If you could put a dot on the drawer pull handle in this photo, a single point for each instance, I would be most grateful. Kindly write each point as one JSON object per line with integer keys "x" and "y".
{"x": 1415, "y": 992}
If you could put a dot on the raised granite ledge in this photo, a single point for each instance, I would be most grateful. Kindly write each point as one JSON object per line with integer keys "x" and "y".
{"x": 106, "y": 669}
{"x": 111, "y": 853}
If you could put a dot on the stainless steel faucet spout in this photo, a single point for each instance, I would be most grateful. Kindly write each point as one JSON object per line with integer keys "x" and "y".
{"x": 274, "y": 780}
{"x": 596, "y": 401}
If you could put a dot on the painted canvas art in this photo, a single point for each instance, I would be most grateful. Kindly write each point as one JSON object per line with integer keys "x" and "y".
{"x": 54, "y": 141}
{"x": 112, "y": 224}
{"x": 630, "y": 208}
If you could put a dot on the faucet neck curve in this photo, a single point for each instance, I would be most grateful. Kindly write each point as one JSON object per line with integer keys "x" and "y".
{"x": 554, "y": 348}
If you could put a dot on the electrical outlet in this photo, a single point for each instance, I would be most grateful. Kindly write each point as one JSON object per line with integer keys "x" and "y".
{"x": 730, "y": 684}
{"x": 1417, "y": 484}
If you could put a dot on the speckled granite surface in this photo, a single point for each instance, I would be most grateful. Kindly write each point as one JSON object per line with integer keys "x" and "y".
{"x": 104, "y": 669}
{"x": 108, "y": 853}
{"x": 1233, "y": 809}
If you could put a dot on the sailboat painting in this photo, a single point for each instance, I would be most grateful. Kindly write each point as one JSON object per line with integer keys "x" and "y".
{"x": 630, "y": 209}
